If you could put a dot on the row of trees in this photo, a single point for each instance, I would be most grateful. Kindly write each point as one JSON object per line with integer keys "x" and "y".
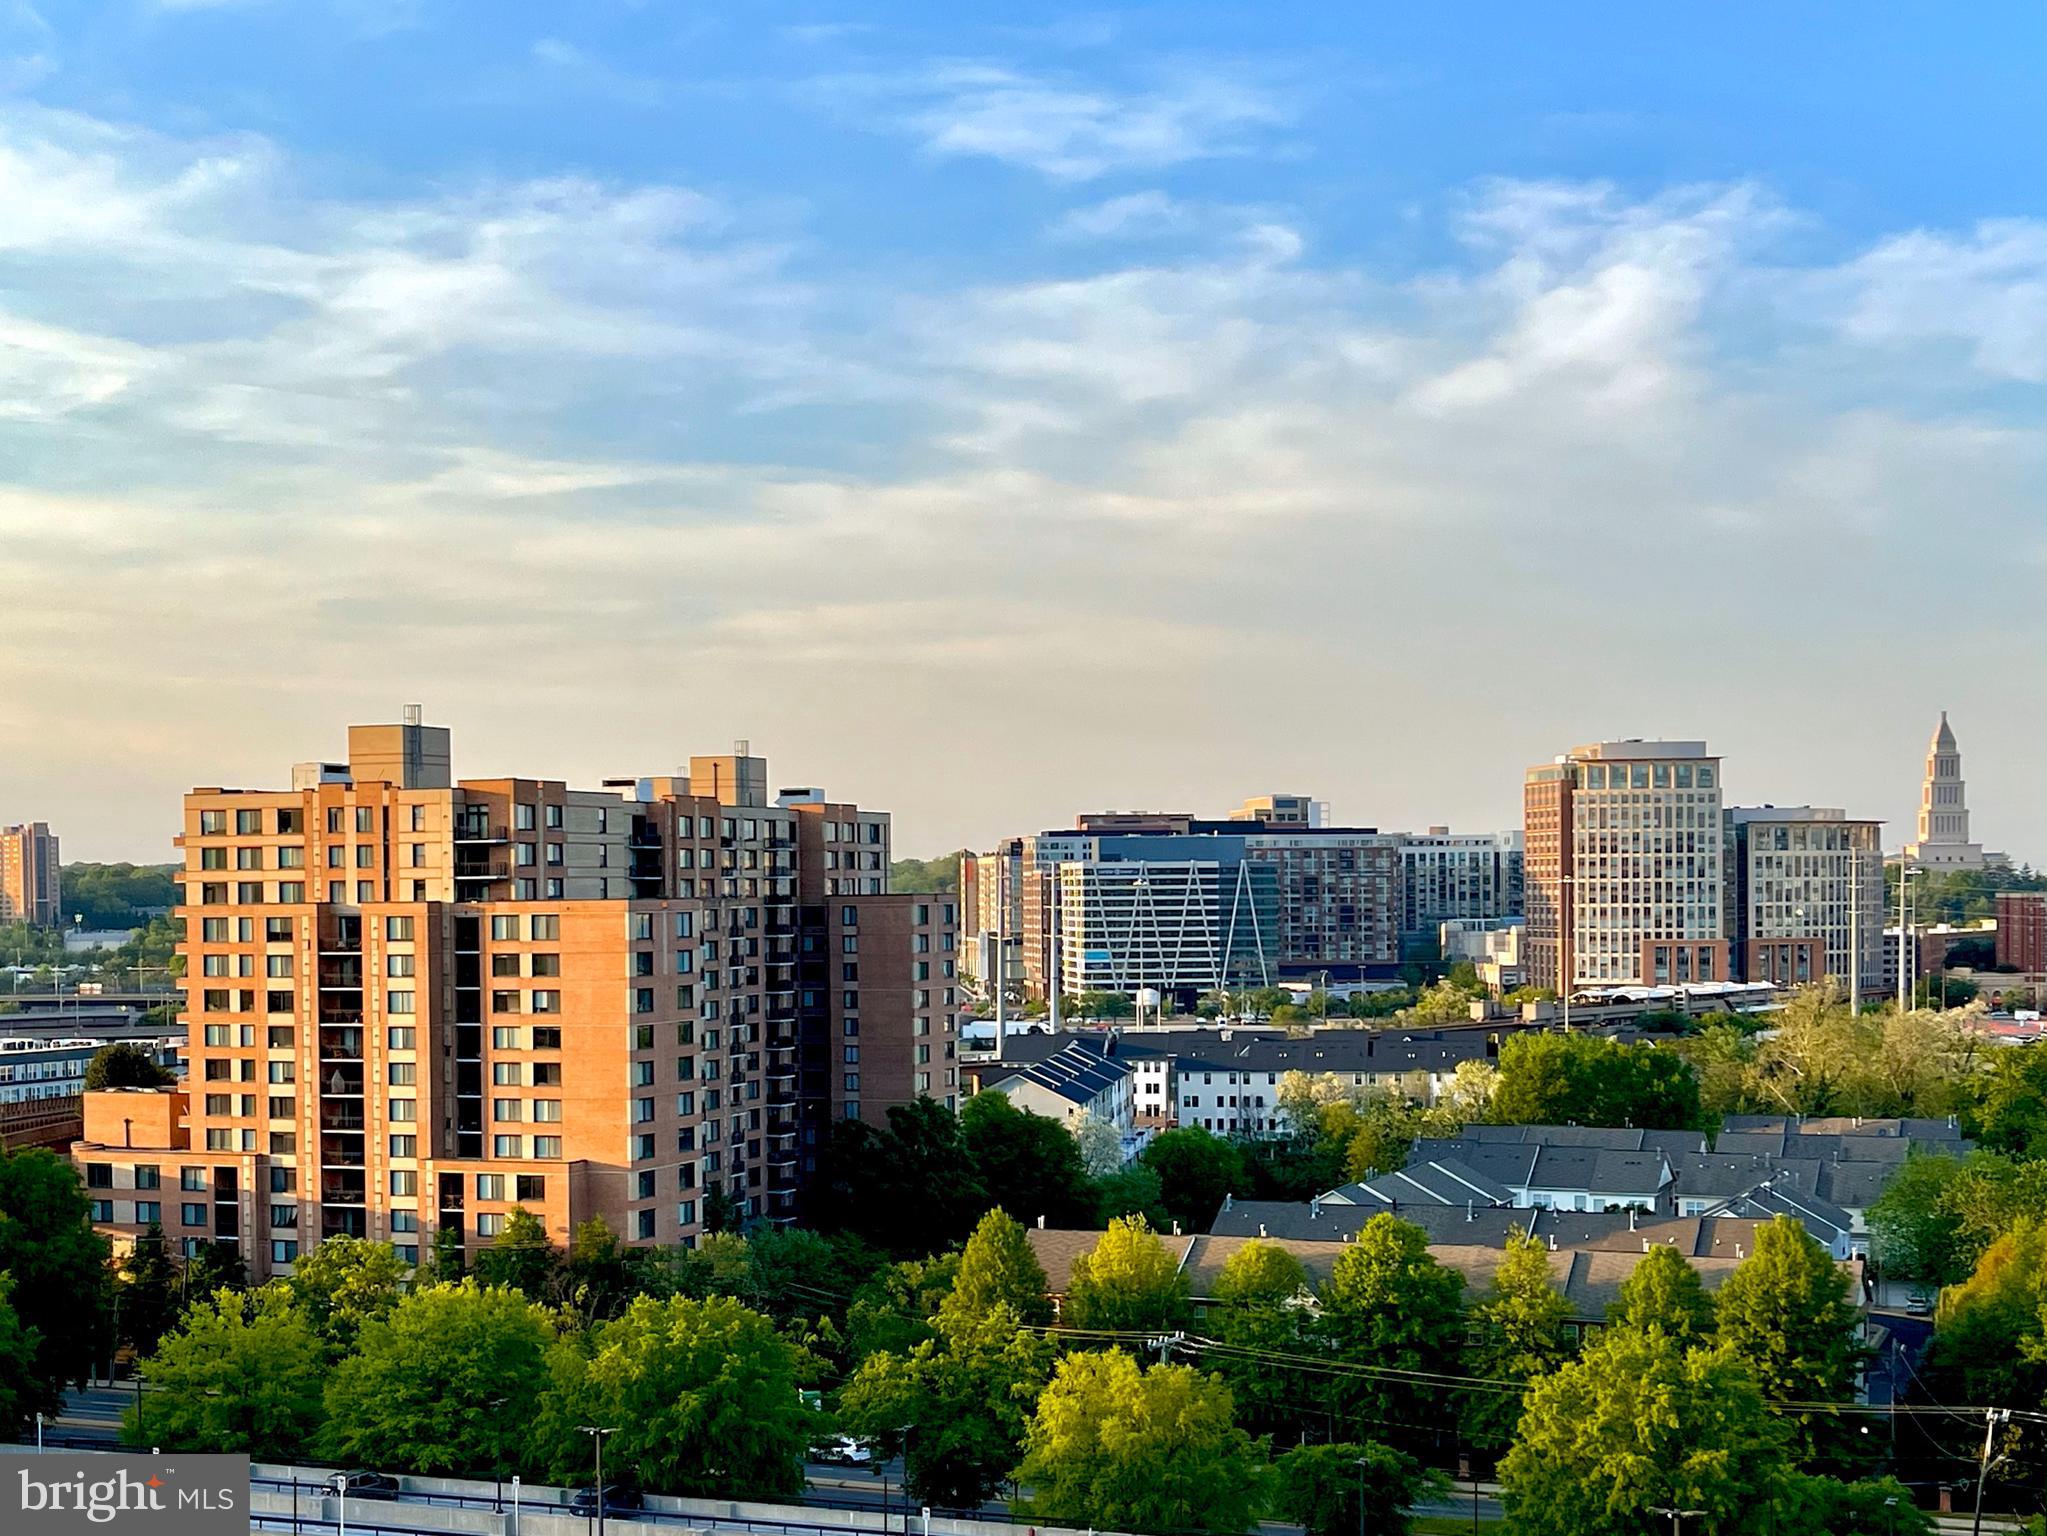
{"x": 954, "y": 1361}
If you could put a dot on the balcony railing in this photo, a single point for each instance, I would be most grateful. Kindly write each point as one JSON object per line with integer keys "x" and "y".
{"x": 480, "y": 829}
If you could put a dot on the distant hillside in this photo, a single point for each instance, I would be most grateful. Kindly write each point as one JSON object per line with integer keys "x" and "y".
{"x": 117, "y": 895}
{"x": 939, "y": 876}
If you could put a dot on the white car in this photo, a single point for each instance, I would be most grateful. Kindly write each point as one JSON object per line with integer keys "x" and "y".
{"x": 843, "y": 1451}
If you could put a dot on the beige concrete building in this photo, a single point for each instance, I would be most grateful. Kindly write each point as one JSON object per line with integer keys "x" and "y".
{"x": 414, "y": 1002}
{"x": 1623, "y": 867}
{"x": 31, "y": 885}
{"x": 1808, "y": 895}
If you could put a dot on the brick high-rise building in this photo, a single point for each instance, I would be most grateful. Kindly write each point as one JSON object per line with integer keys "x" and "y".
{"x": 31, "y": 887}
{"x": 2022, "y": 931}
{"x": 414, "y": 1002}
{"x": 1622, "y": 867}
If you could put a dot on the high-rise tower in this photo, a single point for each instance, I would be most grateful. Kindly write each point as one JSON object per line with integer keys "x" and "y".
{"x": 1943, "y": 841}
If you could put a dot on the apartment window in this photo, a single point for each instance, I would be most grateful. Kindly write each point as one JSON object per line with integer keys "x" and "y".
{"x": 214, "y": 930}
{"x": 504, "y": 1002}
{"x": 99, "y": 1175}
{"x": 282, "y": 1109}
{"x": 643, "y": 1000}
{"x": 337, "y": 856}
{"x": 529, "y": 1187}
{"x": 549, "y": 1146}
{"x": 404, "y": 1181}
{"x": 505, "y": 1146}
{"x": 522, "y": 817}
{"x": 192, "y": 1215}
{"x": 398, "y": 965}
{"x": 398, "y": 929}
{"x": 400, "y": 1037}
{"x": 547, "y": 965}
{"x": 213, "y": 823}
{"x": 551, "y": 1109}
{"x": 365, "y": 818}
{"x": 404, "y": 1146}
{"x": 278, "y": 967}
{"x": 490, "y": 1186}
{"x": 283, "y": 1250}
{"x": 506, "y": 964}
{"x": 188, "y": 1178}
{"x": 522, "y": 855}
{"x": 405, "y": 1221}
{"x": 418, "y": 854}
{"x": 403, "y": 1110}
{"x": 546, "y": 926}
{"x": 398, "y": 1002}
{"x": 507, "y": 1074}
{"x": 399, "y": 1074}
{"x": 547, "y": 1037}
{"x": 506, "y": 1037}
{"x": 213, "y": 858}
{"x": 418, "y": 818}
{"x": 284, "y": 1216}
{"x": 283, "y": 1180}
{"x": 504, "y": 927}
{"x": 489, "y": 1223}
{"x": 248, "y": 858}
{"x": 508, "y": 1110}
{"x": 547, "y": 1001}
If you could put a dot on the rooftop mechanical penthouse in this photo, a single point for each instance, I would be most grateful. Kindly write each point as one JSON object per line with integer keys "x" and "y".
{"x": 415, "y": 1002}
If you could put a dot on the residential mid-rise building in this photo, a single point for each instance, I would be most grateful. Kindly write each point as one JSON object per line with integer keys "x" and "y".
{"x": 1623, "y": 870}
{"x": 1449, "y": 877}
{"x": 1807, "y": 894}
{"x": 414, "y": 1002}
{"x": 31, "y": 882}
{"x": 1943, "y": 830}
{"x": 2022, "y": 931}
{"x": 992, "y": 918}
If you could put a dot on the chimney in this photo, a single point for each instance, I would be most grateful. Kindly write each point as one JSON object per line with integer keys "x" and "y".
{"x": 1471, "y": 1210}
{"x": 1633, "y": 1211}
{"x": 1315, "y": 1208}
{"x": 1176, "y": 1230}
{"x": 1261, "y": 1229}
{"x": 1552, "y": 1242}
{"x": 1645, "y": 1245}
{"x": 1041, "y": 1223}
{"x": 1228, "y": 1200}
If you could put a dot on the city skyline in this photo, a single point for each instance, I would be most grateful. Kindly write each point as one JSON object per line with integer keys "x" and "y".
{"x": 87, "y": 840}
{"x": 1217, "y": 397}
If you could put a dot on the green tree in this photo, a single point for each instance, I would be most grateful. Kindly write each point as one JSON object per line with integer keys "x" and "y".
{"x": 62, "y": 1282}
{"x": 125, "y": 1065}
{"x": 1387, "y": 1304}
{"x": 939, "y": 876}
{"x": 118, "y": 895}
{"x": 600, "y": 1274}
{"x": 1987, "y": 1334}
{"x": 345, "y": 1283}
{"x": 903, "y": 1187}
{"x": 19, "y": 1391}
{"x": 1116, "y": 1447}
{"x": 241, "y": 1375}
{"x": 522, "y": 1258}
{"x": 1104, "y": 1005}
{"x": 436, "y": 1387}
{"x": 1787, "y": 1314}
{"x": 1825, "y": 1506}
{"x": 2012, "y": 1113}
{"x": 1132, "y": 1190}
{"x": 1519, "y": 1333}
{"x": 1196, "y": 1170}
{"x": 1258, "y": 1309}
{"x": 703, "y": 1395}
{"x": 1915, "y": 1231}
{"x": 150, "y": 1295}
{"x": 1338, "y": 1490}
{"x": 1128, "y": 1282}
{"x": 1665, "y": 1293}
{"x": 896, "y": 1309}
{"x": 1640, "y": 1421}
{"x": 1593, "y": 1080}
{"x": 1026, "y": 1164}
{"x": 966, "y": 1395}
{"x": 997, "y": 1269}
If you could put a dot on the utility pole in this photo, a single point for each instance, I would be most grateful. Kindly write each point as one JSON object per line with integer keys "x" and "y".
{"x": 1992, "y": 1417}
{"x": 1854, "y": 927}
{"x": 1001, "y": 949}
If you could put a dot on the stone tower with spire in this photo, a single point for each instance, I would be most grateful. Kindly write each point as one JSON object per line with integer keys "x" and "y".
{"x": 1943, "y": 841}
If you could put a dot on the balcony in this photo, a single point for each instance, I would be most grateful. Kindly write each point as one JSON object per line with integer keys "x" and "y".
{"x": 643, "y": 836}
{"x": 482, "y": 871}
{"x": 480, "y": 829}
{"x": 342, "y": 1189}
{"x": 341, "y": 1115}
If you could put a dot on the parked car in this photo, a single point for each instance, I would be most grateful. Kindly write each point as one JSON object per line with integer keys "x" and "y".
{"x": 364, "y": 1485}
{"x": 842, "y": 1451}
{"x": 616, "y": 1496}
{"x": 1919, "y": 1304}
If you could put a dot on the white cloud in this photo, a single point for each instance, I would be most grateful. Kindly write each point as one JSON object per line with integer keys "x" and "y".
{"x": 1068, "y": 130}
{"x": 1136, "y": 215}
{"x": 523, "y": 445}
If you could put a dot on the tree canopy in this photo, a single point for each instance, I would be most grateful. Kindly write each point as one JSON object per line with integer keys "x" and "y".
{"x": 1129, "y": 1281}
{"x": 1584, "y": 1079}
{"x": 1117, "y": 1447}
{"x": 241, "y": 1375}
{"x": 125, "y": 1065}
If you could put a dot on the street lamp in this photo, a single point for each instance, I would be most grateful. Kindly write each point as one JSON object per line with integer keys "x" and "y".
{"x": 1361, "y": 1463}
{"x": 1891, "y": 1515}
{"x": 341, "y": 1481}
{"x": 596, "y": 1434}
{"x": 1677, "y": 1516}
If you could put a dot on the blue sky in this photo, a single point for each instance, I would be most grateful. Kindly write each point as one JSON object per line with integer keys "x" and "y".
{"x": 999, "y": 413}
